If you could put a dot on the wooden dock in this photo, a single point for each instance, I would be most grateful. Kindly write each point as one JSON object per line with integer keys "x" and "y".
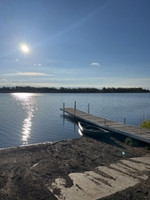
{"x": 135, "y": 132}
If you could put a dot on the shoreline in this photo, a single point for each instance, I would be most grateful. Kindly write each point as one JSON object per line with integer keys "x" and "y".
{"x": 35, "y": 144}
{"x": 26, "y": 171}
{"x": 27, "y": 145}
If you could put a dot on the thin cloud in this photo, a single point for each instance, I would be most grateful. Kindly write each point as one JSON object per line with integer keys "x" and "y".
{"x": 30, "y": 74}
{"x": 95, "y": 64}
{"x": 26, "y": 74}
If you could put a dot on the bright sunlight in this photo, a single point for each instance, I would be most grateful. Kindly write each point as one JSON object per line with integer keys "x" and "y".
{"x": 24, "y": 48}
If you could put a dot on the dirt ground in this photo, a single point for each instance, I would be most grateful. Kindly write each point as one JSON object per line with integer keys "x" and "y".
{"x": 25, "y": 171}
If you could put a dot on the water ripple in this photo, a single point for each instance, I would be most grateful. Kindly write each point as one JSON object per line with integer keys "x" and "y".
{"x": 27, "y": 118}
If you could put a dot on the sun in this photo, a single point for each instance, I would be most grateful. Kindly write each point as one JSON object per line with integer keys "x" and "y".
{"x": 24, "y": 48}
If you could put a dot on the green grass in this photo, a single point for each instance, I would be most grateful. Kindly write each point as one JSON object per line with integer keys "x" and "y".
{"x": 145, "y": 124}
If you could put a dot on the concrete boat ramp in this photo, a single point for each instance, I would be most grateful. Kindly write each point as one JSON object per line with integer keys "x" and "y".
{"x": 102, "y": 181}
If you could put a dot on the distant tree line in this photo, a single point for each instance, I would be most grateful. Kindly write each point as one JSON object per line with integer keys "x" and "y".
{"x": 71, "y": 90}
{"x": 124, "y": 90}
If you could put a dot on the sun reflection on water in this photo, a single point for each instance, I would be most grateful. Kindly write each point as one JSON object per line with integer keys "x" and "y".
{"x": 28, "y": 103}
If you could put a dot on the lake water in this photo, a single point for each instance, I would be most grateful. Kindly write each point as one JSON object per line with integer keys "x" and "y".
{"x": 27, "y": 118}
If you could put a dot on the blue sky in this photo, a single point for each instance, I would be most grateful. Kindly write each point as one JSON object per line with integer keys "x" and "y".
{"x": 75, "y": 43}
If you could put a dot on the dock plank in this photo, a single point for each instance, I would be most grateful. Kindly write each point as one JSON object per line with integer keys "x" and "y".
{"x": 135, "y": 132}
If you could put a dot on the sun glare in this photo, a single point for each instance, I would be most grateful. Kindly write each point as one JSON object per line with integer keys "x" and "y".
{"x": 24, "y": 48}
{"x": 22, "y": 95}
{"x": 26, "y": 102}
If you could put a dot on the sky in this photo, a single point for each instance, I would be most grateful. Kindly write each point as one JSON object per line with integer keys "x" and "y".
{"x": 75, "y": 43}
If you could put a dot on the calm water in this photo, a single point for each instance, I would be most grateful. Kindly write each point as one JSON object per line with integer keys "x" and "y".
{"x": 27, "y": 118}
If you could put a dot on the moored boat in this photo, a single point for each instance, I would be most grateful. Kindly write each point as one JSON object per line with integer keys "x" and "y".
{"x": 92, "y": 130}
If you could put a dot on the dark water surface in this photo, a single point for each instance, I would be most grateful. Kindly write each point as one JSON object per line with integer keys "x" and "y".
{"x": 27, "y": 118}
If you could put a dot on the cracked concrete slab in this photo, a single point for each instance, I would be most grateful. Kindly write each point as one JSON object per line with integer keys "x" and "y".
{"x": 92, "y": 185}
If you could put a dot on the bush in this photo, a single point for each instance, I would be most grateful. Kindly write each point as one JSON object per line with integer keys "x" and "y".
{"x": 131, "y": 142}
{"x": 147, "y": 147}
{"x": 145, "y": 124}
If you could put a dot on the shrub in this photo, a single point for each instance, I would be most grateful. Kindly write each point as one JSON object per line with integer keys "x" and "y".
{"x": 147, "y": 147}
{"x": 131, "y": 142}
{"x": 145, "y": 124}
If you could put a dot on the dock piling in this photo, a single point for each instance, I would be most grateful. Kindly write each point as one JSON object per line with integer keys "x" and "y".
{"x": 75, "y": 107}
{"x": 88, "y": 108}
{"x": 63, "y": 109}
{"x": 124, "y": 120}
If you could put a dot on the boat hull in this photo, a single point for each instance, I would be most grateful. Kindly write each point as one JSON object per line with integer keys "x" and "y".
{"x": 91, "y": 130}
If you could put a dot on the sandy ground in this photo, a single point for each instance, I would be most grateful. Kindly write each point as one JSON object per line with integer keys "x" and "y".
{"x": 25, "y": 172}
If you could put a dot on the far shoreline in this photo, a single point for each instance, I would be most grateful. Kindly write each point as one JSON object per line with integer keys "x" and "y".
{"x": 29, "y": 89}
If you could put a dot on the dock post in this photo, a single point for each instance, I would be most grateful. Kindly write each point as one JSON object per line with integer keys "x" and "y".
{"x": 124, "y": 120}
{"x": 63, "y": 109}
{"x": 75, "y": 107}
{"x": 88, "y": 108}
